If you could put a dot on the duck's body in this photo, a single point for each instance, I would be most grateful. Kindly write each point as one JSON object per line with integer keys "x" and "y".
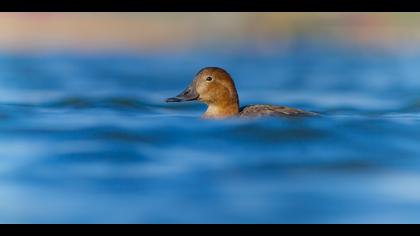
{"x": 270, "y": 110}
{"x": 215, "y": 87}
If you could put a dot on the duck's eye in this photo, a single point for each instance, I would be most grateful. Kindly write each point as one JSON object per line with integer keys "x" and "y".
{"x": 209, "y": 79}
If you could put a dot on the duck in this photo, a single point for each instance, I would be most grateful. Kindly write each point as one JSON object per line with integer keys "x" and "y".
{"x": 215, "y": 87}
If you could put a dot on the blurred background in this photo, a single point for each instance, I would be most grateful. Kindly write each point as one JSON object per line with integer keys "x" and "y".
{"x": 85, "y": 135}
{"x": 159, "y": 32}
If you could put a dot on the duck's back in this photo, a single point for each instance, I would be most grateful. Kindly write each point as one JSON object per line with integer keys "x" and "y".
{"x": 270, "y": 110}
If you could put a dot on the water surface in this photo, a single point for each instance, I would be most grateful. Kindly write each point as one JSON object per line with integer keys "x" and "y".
{"x": 88, "y": 139}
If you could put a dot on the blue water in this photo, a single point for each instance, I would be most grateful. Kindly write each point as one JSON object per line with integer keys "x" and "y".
{"x": 88, "y": 139}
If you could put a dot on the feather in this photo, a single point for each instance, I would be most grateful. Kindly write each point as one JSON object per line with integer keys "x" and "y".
{"x": 270, "y": 110}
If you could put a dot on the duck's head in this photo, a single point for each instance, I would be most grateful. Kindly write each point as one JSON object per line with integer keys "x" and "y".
{"x": 215, "y": 87}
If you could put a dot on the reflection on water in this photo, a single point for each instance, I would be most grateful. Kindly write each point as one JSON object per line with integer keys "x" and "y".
{"x": 89, "y": 139}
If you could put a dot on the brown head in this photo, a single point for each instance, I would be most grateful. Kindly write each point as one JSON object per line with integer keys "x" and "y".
{"x": 215, "y": 87}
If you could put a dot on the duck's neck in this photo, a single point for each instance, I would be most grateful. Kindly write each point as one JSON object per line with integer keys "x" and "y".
{"x": 220, "y": 111}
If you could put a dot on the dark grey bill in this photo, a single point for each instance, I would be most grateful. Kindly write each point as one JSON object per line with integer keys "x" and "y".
{"x": 188, "y": 94}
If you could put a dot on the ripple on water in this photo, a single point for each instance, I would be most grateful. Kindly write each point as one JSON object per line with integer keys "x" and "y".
{"x": 91, "y": 139}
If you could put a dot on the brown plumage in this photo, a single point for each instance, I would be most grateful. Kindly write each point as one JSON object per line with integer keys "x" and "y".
{"x": 215, "y": 87}
{"x": 270, "y": 110}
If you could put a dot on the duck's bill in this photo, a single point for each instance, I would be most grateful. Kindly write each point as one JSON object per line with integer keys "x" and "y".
{"x": 188, "y": 94}
{"x": 174, "y": 99}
